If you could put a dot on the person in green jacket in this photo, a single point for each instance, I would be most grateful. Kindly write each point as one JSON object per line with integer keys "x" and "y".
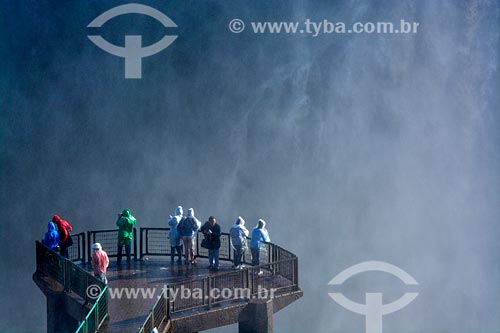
{"x": 125, "y": 223}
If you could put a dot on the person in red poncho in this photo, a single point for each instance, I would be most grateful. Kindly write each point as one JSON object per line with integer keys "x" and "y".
{"x": 64, "y": 229}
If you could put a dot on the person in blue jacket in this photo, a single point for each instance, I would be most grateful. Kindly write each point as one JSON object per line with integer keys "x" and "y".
{"x": 51, "y": 239}
{"x": 187, "y": 229}
{"x": 259, "y": 235}
{"x": 175, "y": 238}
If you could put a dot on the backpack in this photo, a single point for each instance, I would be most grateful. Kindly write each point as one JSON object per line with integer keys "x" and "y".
{"x": 183, "y": 227}
{"x": 193, "y": 225}
{"x": 69, "y": 240}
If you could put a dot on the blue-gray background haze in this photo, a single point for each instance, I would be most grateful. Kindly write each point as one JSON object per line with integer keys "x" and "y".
{"x": 352, "y": 147}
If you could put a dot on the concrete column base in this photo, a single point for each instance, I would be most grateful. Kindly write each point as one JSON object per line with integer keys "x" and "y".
{"x": 64, "y": 311}
{"x": 260, "y": 317}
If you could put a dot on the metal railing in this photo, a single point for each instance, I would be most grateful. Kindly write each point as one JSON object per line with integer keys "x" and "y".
{"x": 97, "y": 315}
{"x": 279, "y": 267}
{"x": 243, "y": 285}
{"x": 157, "y": 316}
{"x": 77, "y": 252}
{"x": 108, "y": 239}
{"x": 74, "y": 279}
{"x": 156, "y": 242}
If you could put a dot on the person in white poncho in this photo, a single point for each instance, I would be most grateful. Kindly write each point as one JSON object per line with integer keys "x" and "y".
{"x": 239, "y": 234}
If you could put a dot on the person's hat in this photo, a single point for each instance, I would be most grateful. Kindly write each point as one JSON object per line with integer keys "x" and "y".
{"x": 96, "y": 246}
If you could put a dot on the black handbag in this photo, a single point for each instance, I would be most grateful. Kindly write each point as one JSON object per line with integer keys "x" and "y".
{"x": 204, "y": 243}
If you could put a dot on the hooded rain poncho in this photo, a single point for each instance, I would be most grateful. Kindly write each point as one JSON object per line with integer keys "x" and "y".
{"x": 173, "y": 222}
{"x": 125, "y": 225}
{"x": 51, "y": 238}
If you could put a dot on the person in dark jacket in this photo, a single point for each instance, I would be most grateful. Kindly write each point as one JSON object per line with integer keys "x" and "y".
{"x": 125, "y": 223}
{"x": 51, "y": 239}
{"x": 211, "y": 230}
{"x": 64, "y": 229}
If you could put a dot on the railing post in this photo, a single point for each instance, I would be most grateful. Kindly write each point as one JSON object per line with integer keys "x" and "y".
{"x": 78, "y": 247}
{"x": 141, "y": 243}
{"x": 135, "y": 243}
{"x": 209, "y": 289}
{"x": 96, "y": 318}
{"x": 67, "y": 275}
{"x": 247, "y": 284}
{"x": 278, "y": 258}
{"x": 89, "y": 255}
{"x": 84, "y": 248}
{"x": 167, "y": 303}
{"x": 153, "y": 317}
{"x": 164, "y": 310}
{"x": 196, "y": 241}
{"x": 274, "y": 252}
{"x": 146, "y": 250}
{"x": 296, "y": 271}
{"x": 106, "y": 298}
{"x": 170, "y": 243}
{"x": 97, "y": 313}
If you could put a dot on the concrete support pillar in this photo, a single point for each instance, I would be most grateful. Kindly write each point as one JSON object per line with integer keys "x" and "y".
{"x": 58, "y": 320}
{"x": 260, "y": 317}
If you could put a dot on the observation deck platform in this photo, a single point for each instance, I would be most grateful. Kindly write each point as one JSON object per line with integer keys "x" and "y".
{"x": 154, "y": 293}
{"x": 127, "y": 314}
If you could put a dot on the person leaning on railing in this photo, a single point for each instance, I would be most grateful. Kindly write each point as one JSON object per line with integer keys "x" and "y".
{"x": 125, "y": 223}
{"x": 259, "y": 235}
